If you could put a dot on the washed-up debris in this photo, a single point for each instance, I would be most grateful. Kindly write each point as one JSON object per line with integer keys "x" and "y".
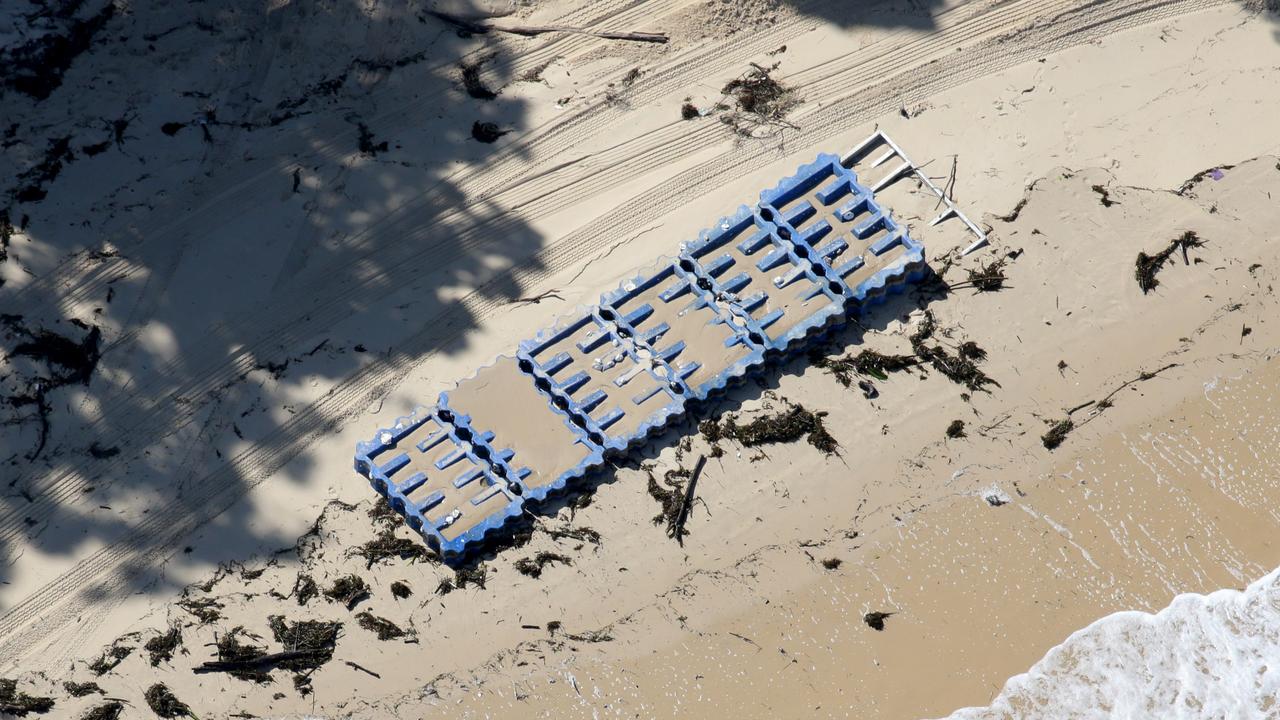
{"x": 162, "y": 646}
{"x": 401, "y": 590}
{"x": 304, "y": 588}
{"x": 960, "y": 367}
{"x": 348, "y": 590}
{"x": 988, "y": 278}
{"x": 80, "y": 689}
{"x": 110, "y": 710}
{"x": 955, "y": 429}
{"x": 867, "y": 362}
{"x": 239, "y": 659}
{"x": 387, "y": 545}
{"x": 162, "y": 702}
{"x": 206, "y": 609}
{"x": 471, "y": 576}
{"x": 471, "y": 81}
{"x": 1105, "y": 196}
{"x": 110, "y": 658}
{"x": 1148, "y": 265}
{"x": 760, "y": 101}
{"x": 832, "y": 563}
{"x": 382, "y": 627}
{"x": 785, "y": 426}
{"x": 478, "y": 28}
{"x": 689, "y": 111}
{"x": 670, "y": 496}
{"x": 1059, "y": 429}
{"x": 487, "y": 132}
{"x": 875, "y": 620}
{"x": 590, "y": 636}
{"x": 307, "y": 645}
{"x": 532, "y": 567}
{"x": 20, "y": 704}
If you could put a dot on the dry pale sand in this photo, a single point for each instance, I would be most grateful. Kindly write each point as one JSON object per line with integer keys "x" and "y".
{"x": 271, "y": 282}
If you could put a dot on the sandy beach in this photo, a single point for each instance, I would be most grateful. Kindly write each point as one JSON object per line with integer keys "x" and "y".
{"x": 239, "y": 238}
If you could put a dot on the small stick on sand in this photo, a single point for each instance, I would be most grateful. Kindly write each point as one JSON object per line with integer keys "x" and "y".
{"x": 531, "y": 30}
{"x": 678, "y": 525}
{"x": 257, "y": 662}
{"x": 362, "y": 669}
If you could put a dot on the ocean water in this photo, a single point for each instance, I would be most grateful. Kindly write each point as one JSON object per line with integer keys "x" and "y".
{"x": 1203, "y": 656}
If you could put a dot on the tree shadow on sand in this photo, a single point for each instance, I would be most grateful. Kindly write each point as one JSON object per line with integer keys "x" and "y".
{"x": 242, "y": 223}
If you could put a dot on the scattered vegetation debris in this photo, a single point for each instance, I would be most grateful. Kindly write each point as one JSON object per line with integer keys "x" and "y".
{"x": 387, "y": 545}
{"x": 1254, "y": 268}
{"x": 534, "y": 74}
{"x": 162, "y": 702}
{"x": 110, "y": 658}
{"x": 309, "y": 642}
{"x": 162, "y": 646}
{"x": 760, "y": 101}
{"x": 832, "y": 563}
{"x": 956, "y": 429}
{"x": 631, "y": 77}
{"x": 988, "y": 278}
{"x": 961, "y": 368}
{"x": 365, "y": 141}
{"x": 348, "y": 590}
{"x": 590, "y": 636}
{"x": 305, "y": 589}
{"x": 995, "y": 499}
{"x": 206, "y": 610}
{"x": 110, "y": 710}
{"x": 384, "y": 628}
{"x": 445, "y": 587}
{"x": 80, "y": 689}
{"x": 785, "y": 426}
{"x": 875, "y": 620}
{"x": 1148, "y": 265}
{"x": 472, "y": 27}
{"x": 1057, "y": 432}
{"x": 19, "y": 704}
{"x": 401, "y": 590}
{"x": 1106, "y": 196}
{"x": 581, "y": 533}
{"x": 487, "y": 132}
{"x": 471, "y": 576}
{"x": 867, "y": 362}
{"x": 471, "y": 81}
{"x": 102, "y": 453}
{"x": 36, "y": 67}
{"x": 669, "y": 497}
{"x": 1214, "y": 172}
{"x": 381, "y": 513}
{"x": 689, "y": 111}
{"x": 532, "y": 567}
{"x": 238, "y": 659}
{"x": 554, "y": 626}
{"x": 1245, "y": 331}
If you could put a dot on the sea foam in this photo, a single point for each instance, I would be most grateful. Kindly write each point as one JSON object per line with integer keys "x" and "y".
{"x": 1204, "y": 656}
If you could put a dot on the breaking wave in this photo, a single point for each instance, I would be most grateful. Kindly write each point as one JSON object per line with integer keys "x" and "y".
{"x": 1204, "y": 656}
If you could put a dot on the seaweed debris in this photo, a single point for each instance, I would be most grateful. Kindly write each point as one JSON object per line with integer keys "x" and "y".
{"x": 164, "y": 703}
{"x": 348, "y": 590}
{"x": 1057, "y": 432}
{"x": 761, "y": 101}
{"x": 110, "y": 710}
{"x": 206, "y": 610}
{"x": 313, "y": 641}
{"x": 486, "y": 132}
{"x": 241, "y": 660}
{"x": 305, "y": 588}
{"x": 832, "y": 563}
{"x": 1147, "y": 266}
{"x": 988, "y": 278}
{"x": 955, "y": 429}
{"x": 689, "y": 111}
{"x": 532, "y": 567}
{"x": 471, "y": 81}
{"x": 386, "y": 545}
{"x": 401, "y": 590}
{"x": 162, "y": 646}
{"x": 875, "y": 620}
{"x": 786, "y": 426}
{"x": 471, "y": 576}
{"x": 384, "y": 628}
{"x": 961, "y": 367}
{"x": 19, "y": 704}
{"x": 80, "y": 689}
{"x": 110, "y": 658}
{"x": 868, "y": 362}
